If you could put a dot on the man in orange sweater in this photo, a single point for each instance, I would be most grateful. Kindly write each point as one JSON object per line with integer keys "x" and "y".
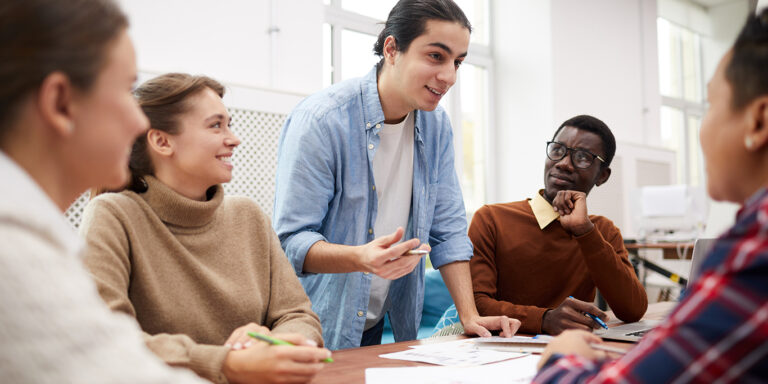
{"x": 541, "y": 260}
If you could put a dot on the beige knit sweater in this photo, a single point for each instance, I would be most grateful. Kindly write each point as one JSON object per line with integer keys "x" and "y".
{"x": 191, "y": 272}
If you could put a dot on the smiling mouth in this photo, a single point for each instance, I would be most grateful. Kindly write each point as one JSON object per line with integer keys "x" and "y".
{"x": 434, "y": 91}
{"x": 226, "y": 159}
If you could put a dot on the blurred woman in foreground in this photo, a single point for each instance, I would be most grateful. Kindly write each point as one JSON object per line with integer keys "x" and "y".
{"x": 67, "y": 122}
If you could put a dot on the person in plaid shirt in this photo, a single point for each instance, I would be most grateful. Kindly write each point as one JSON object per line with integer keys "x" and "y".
{"x": 719, "y": 330}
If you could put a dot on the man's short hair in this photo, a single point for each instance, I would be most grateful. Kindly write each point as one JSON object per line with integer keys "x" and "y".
{"x": 596, "y": 126}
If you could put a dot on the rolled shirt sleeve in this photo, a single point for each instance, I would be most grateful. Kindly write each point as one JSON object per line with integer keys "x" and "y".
{"x": 304, "y": 186}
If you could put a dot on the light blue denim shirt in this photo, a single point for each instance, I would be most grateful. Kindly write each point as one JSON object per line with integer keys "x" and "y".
{"x": 325, "y": 191}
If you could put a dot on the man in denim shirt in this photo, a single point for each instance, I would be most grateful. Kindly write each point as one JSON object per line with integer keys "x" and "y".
{"x": 332, "y": 208}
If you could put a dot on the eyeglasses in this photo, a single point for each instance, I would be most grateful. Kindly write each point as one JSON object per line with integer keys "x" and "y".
{"x": 580, "y": 158}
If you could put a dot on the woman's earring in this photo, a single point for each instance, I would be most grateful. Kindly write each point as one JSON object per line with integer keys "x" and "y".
{"x": 748, "y": 142}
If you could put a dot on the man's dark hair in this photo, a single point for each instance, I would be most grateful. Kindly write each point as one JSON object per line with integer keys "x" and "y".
{"x": 596, "y": 126}
{"x": 408, "y": 18}
{"x": 748, "y": 70}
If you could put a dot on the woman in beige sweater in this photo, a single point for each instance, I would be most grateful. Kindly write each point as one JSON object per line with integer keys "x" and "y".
{"x": 196, "y": 269}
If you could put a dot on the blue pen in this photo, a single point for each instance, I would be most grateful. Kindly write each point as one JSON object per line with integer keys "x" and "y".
{"x": 593, "y": 317}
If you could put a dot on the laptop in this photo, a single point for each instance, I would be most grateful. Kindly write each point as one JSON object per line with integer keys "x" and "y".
{"x": 635, "y": 331}
{"x": 700, "y": 250}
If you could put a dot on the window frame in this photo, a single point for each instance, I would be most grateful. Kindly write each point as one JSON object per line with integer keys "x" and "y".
{"x": 688, "y": 108}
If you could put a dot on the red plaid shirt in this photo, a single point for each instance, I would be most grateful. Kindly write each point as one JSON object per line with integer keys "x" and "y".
{"x": 717, "y": 333}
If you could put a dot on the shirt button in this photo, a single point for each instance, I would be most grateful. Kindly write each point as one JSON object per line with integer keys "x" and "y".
{"x": 373, "y": 187}
{"x": 368, "y": 125}
{"x": 366, "y": 273}
{"x": 360, "y": 313}
{"x": 370, "y": 146}
{"x": 378, "y": 125}
{"x": 370, "y": 231}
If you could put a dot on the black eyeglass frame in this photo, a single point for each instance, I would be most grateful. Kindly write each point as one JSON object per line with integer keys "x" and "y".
{"x": 570, "y": 151}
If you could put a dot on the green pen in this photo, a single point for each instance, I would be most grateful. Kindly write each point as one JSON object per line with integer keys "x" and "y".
{"x": 274, "y": 341}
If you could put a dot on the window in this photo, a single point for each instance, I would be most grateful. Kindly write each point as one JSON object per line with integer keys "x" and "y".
{"x": 473, "y": 88}
{"x": 681, "y": 85}
{"x": 349, "y": 32}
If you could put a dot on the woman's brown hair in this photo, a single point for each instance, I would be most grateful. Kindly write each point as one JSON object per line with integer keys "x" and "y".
{"x": 39, "y": 37}
{"x": 163, "y": 99}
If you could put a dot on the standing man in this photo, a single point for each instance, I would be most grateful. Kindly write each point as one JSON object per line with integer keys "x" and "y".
{"x": 541, "y": 260}
{"x": 367, "y": 163}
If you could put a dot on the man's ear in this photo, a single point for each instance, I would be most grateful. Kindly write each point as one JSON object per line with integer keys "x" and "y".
{"x": 389, "y": 50}
{"x": 159, "y": 142}
{"x": 55, "y": 102}
{"x": 603, "y": 176}
{"x": 756, "y": 134}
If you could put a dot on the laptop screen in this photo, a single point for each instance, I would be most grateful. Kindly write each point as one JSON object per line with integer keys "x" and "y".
{"x": 700, "y": 250}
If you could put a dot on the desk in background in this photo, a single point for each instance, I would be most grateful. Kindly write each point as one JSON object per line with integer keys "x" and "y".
{"x": 350, "y": 364}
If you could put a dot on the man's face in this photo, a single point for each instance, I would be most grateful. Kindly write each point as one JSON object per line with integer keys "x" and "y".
{"x": 427, "y": 69}
{"x": 562, "y": 175}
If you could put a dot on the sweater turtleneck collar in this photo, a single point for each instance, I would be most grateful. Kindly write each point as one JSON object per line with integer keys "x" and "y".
{"x": 175, "y": 209}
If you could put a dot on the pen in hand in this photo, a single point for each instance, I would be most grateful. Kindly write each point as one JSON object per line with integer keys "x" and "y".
{"x": 593, "y": 317}
{"x": 597, "y": 320}
{"x": 274, "y": 341}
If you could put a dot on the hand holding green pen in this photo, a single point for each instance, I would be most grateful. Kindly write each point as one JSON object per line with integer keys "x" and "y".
{"x": 275, "y": 341}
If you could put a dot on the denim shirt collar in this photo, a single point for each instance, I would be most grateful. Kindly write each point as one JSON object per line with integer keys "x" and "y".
{"x": 372, "y": 112}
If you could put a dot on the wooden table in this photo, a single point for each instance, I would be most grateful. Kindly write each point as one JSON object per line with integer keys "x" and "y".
{"x": 349, "y": 364}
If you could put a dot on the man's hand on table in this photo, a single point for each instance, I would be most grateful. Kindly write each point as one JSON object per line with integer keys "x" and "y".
{"x": 482, "y": 325}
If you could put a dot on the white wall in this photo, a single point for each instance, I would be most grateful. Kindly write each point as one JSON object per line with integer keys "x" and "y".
{"x": 726, "y": 22}
{"x": 523, "y": 94}
{"x": 229, "y": 40}
{"x": 605, "y": 64}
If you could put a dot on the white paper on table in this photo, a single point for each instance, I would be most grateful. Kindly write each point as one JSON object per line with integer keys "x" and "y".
{"x": 453, "y": 344}
{"x": 542, "y": 339}
{"x": 514, "y": 371}
{"x": 452, "y": 356}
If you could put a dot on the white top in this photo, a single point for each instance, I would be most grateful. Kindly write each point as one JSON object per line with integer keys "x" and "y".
{"x": 393, "y": 178}
{"x": 54, "y": 327}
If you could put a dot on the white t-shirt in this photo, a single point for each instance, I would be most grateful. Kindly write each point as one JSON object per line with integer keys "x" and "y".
{"x": 393, "y": 178}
